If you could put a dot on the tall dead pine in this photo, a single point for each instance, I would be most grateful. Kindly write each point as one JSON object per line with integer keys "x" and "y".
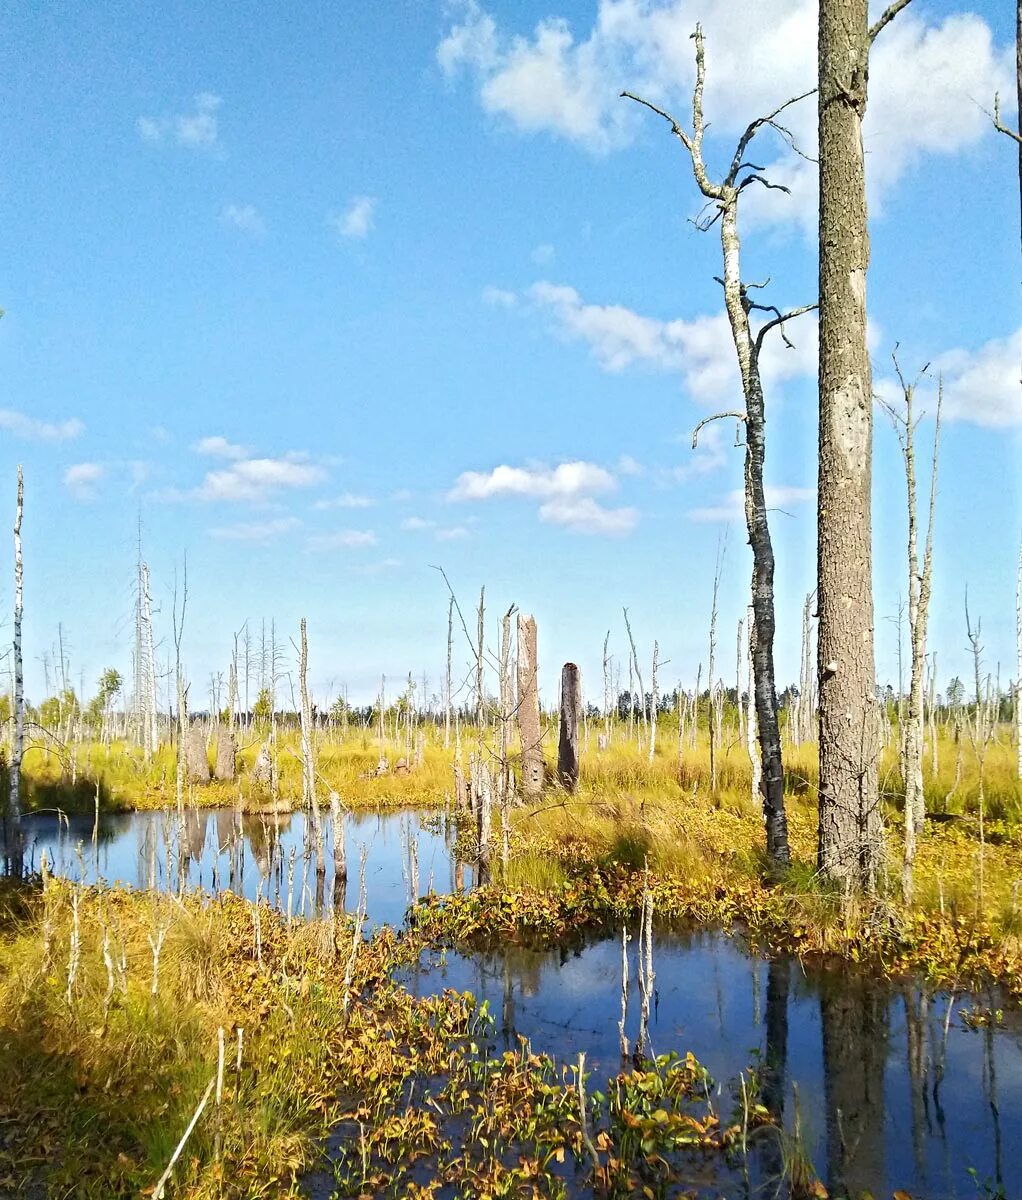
{"x": 850, "y": 846}
{"x": 567, "y": 742}
{"x": 529, "y": 729}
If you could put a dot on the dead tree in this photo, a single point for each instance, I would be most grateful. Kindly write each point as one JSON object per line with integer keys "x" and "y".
{"x": 18, "y": 744}
{"x": 567, "y": 742}
{"x": 194, "y": 760}
{"x": 999, "y": 125}
{"x": 850, "y": 844}
{"x": 722, "y": 198}
{"x": 308, "y": 748}
{"x": 1018, "y": 650}
{"x": 529, "y": 728}
{"x": 920, "y": 580}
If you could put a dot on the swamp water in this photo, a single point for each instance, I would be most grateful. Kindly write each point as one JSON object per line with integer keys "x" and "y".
{"x": 889, "y": 1086}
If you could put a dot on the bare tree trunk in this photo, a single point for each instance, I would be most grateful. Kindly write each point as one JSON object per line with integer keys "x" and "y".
{"x": 850, "y": 848}
{"x": 920, "y": 581}
{"x": 226, "y": 755}
{"x": 308, "y": 750}
{"x": 529, "y": 729}
{"x": 1018, "y": 648}
{"x": 480, "y": 651}
{"x": 196, "y": 764}
{"x": 638, "y": 672}
{"x": 18, "y": 744}
{"x": 606, "y": 687}
{"x": 654, "y": 704}
{"x": 752, "y": 730}
{"x": 724, "y": 197}
{"x": 710, "y": 713}
{"x": 567, "y": 744}
{"x": 447, "y": 681}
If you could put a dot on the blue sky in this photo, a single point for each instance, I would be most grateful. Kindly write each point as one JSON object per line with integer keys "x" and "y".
{"x": 328, "y": 294}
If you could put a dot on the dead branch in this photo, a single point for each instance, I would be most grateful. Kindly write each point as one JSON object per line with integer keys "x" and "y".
{"x": 721, "y": 416}
{"x": 886, "y": 17}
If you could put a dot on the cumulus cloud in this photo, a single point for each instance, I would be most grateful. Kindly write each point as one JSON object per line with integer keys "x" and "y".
{"x": 254, "y": 480}
{"x": 345, "y": 539}
{"x": 701, "y": 349}
{"x": 357, "y": 220}
{"x": 583, "y": 514}
{"x": 21, "y": 425}
{"x": 82, "y": 479}
{"x": 454, "y": 533}
{"x": 565, "y": 480}
{"x": 197, "y": 129}
{"x": 733, "y": 507}
{"x": 982, "y": 386}
{"x": 256, "y": 531}
{"x": 219, "y": 447}
{"x": 415, "y": 524}
{"x": 568, "y": 493}
{"x": 925, "y": 79}
{"x": 245, "y": 217}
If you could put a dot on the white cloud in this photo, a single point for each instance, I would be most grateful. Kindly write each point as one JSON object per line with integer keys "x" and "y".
{"x": 709, "y": 455}
{"x": 567, "y": 492}
{"x": 981, "y": 386}
{"x": 196, "y": 129}
{"x": 21, "y": 425}
{"x": 413, "y": 524}
{"x": 499, "y": 297}
{"x": 454, "y": 533}
{"x": 345, "y": 539}
{"x": 347, "y": 500}
{"x": 984, "y": 386}
{"x": 245, "y": 217}
{"x": 358, "y": 218}
{"x": 255, "y": 479}
{"x": 925, "y": 81}
{"x": 81, "y": 479}
{"x": 626, "y": 465}
{"x": 583, "y": 514}
{"x": 566, "y": 480}
{"x": 256, "y": 531}
{"x": 219, "y": 447}
{"x": 733, "y": 508}
{"x": 701, "y": 350}
{"x": 377, "y": 568}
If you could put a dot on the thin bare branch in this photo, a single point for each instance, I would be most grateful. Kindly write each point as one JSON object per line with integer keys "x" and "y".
{"x": 886, "y": 17}
{"x": 779, "y": 321}
{"x": 721, "y": 416}
{"x": 1000, "y": 126}
{"x": 755, "y": 126}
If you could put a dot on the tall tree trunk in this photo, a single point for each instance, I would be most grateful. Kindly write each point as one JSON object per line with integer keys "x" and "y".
{"x": 567, "y": 745}
{"x": 850, "y": 847}
{"x": 308, "y": 749}
{"x": 529, "y": 730}
{"x": 18, "y": 744}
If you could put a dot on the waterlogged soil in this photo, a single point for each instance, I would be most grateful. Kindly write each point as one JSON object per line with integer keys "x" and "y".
{"x": 883, "y": 1086}
{"x": 887, "y": 1086}
{"x": 268, "y": 856}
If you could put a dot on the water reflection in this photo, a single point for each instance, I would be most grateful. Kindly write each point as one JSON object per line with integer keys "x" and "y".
{"x": 885, "y": 1084}
{"x": 267, "y": 855}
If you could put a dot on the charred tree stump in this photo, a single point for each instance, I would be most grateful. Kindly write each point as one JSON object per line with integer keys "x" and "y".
{"x": 571, "y": 709}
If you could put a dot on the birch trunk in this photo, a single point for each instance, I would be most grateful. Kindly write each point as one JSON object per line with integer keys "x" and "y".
{"x": 18, "y": 744}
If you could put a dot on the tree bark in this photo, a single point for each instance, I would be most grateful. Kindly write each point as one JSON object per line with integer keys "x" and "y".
{"x": 567, "y": 742}
{"x": 308, "y": 750}
{"x": 529, "y": 729}
{"x": 226, "y": 756}
{"x": 193, "y": 749}
{"x": 850, "y": 846}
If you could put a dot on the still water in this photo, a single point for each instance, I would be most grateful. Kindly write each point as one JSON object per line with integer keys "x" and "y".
{"x": 892, "y": 1086}
{"x": 253, "y": 855}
